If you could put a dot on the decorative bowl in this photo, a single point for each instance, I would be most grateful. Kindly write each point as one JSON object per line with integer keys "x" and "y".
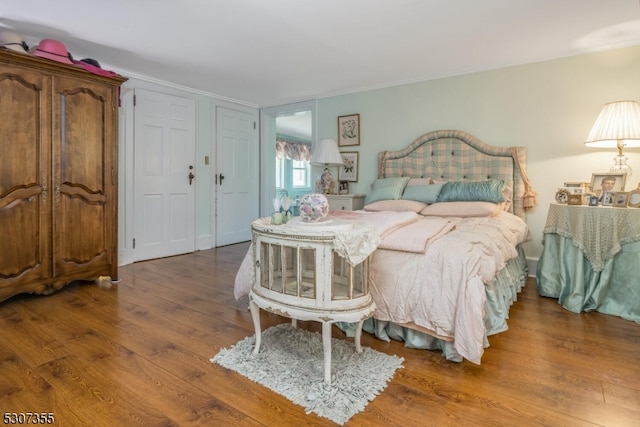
{"x": 313, "y": 207}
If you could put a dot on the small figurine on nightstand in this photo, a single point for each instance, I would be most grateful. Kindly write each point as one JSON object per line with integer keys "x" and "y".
{"x": 327, "y": 181}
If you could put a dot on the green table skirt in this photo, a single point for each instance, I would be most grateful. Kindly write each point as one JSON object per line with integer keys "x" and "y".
{"x": 564, "y": 273}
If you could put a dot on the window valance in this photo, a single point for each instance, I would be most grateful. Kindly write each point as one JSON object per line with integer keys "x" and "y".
{"x": 292, "y": 149}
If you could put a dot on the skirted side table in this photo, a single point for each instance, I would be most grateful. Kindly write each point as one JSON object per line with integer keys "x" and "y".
{"x": 591, "y": 259}
{"x": 317, "y": 271}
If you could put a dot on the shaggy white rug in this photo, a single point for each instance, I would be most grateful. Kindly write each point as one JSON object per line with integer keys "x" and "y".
{"x": 290, "y": 362}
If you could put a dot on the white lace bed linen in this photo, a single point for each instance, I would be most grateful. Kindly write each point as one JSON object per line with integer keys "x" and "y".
{"x": 442, "y": 291}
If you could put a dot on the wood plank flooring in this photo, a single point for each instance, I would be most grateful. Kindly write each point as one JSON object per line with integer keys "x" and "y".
{"x": 137, "y": 354}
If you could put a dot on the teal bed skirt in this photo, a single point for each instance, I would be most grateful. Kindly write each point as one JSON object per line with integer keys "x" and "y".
{"x": 564, "y": 273}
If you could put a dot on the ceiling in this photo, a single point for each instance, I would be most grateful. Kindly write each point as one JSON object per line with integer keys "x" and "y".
{"x": 271, "y": 52}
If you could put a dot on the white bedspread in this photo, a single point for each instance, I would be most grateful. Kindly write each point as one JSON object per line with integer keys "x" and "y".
{"x": 440, "y": 290}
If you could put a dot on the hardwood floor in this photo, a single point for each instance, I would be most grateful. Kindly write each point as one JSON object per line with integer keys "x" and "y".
{"x": 137, "y": 354}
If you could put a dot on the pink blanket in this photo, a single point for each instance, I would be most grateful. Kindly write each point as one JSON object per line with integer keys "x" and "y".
{"x": 401, "y": 231}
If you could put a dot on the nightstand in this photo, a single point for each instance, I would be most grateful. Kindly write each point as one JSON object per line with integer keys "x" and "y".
{"x": 345, "y": 202}
{"x": 590, "y": 259}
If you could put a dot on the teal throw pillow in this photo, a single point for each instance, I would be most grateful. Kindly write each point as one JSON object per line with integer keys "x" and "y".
{"x": 490, "y": 190}
{"x": 387, "y": 189}
{"x": 422, "y": 193}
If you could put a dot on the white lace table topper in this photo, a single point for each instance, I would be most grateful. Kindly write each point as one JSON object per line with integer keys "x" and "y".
{"x": 352, "y": 240}
{"x": 599, "y": 232}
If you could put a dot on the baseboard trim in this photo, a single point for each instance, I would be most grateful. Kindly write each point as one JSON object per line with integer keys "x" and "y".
{"x": 532, "y": 265}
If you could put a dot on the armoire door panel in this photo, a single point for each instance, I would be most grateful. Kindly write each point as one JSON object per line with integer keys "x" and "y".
{"x": 81, "y": 151}
{"x": 80, "y": 233}
{"x": 24, "y": 179}
{"x": 21, "y": 253}
{"x": 83, "y": 145}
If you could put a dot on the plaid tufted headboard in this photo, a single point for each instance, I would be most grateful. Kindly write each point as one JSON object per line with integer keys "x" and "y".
{"x": 454, "y": 155}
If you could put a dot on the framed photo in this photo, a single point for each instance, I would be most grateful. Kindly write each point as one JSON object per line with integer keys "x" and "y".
{"x": 349, "y": 171}
{"x": 607, "y": 198}
{"x": 583, "y": 186}
{"x": 343, "y": 187}
{"x": 620, "y": 199}
{"x": 608, "y": 181}
{"x": 562, "y": 196}
{"x": 593, "y": 200}
{"x": 574, "y": 199}
{"x": 349, "y": 130}
{"x": 634, "y": 199}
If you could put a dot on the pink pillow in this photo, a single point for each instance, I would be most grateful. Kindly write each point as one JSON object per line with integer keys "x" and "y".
{"x": 462, "y": 209}
{"x": 395, "y": 206}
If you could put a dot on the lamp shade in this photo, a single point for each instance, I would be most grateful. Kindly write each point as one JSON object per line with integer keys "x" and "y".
{"x": 618, "y": 125}
{"x": 326, "y": 152}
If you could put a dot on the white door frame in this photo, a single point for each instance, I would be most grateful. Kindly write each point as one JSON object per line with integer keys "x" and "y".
{"x": 173, "y": 122}
{"x": 267, "y": 147}
{"x": 126, "y": 162}
{"x": 237, "y": 157}
{"x": 205, "y": 146}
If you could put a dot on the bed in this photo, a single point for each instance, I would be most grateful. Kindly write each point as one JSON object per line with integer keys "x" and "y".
{"x": 457, "y": 291}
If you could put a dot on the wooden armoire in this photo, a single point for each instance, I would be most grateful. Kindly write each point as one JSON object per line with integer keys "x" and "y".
{"x": 58, "y": 174}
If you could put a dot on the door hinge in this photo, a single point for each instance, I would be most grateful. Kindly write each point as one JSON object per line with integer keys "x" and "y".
{"x": 134, "y": 100}
{"x": 134, "y": 243}
{"x": 254, "y": 125}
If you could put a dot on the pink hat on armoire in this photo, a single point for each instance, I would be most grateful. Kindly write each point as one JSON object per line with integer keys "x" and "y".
{"x": 53, "y": 50}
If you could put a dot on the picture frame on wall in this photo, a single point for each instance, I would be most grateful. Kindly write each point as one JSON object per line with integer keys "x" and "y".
{"x": 349, "y": 130}
{"x": 349, "y": 170}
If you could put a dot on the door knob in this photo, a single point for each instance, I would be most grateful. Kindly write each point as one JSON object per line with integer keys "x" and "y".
{"x": 221, "y": 178}
{"x": 191, "y": 176}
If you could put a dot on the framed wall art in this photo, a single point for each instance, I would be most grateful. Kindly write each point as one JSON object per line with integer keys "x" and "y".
{"x": 349, "y": 171}
{"x": 349, "y": 130}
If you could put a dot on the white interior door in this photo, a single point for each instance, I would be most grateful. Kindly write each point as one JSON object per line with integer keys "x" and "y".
{"x": 164, "y": 156}
{"x": 237, "y": 178}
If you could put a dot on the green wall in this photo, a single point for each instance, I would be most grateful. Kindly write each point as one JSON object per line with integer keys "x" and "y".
{"x": 548, "y": 107}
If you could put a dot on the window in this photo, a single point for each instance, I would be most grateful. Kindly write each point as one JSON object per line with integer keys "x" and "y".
{"x": 293, "y": 175}
{"x": 293, "y": 170}
{"x": 300, "y": 170}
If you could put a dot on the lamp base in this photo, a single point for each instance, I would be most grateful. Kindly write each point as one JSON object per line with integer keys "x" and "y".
{"x": 327, "y": 182}
{"x": 620, "y": 165}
